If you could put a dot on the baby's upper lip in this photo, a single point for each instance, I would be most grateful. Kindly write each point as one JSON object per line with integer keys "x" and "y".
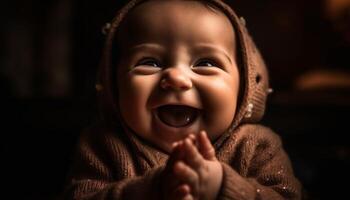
{"x": 172, "y": 99}
{"x": 189, "y": 104}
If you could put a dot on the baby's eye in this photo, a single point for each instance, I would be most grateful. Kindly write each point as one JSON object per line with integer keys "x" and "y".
{"x": 148, "y": 62}
{"x": 205, "y": 63}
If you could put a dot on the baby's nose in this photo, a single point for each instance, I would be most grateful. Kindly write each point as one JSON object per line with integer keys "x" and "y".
{"x": 176, "y": 79}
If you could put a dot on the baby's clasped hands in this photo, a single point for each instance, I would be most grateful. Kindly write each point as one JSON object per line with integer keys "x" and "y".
{"x": 192, "y": 171}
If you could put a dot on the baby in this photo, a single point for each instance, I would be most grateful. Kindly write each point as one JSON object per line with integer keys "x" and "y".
{"x": 182, "y": 87}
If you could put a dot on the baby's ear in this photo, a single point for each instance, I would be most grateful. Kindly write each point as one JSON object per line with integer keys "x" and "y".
{"x": 205, "y": 147}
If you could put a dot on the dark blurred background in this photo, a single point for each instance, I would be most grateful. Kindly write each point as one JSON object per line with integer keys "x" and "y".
{"x": 50, "y": 52}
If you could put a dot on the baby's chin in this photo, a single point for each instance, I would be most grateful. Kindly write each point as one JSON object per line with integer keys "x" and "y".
{"x": 166, "y": 145}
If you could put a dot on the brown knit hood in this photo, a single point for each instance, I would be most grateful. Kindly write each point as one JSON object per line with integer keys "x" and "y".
{"x": 254, "y": 74}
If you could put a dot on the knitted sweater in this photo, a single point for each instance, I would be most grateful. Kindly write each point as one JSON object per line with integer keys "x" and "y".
{"x": 109, "y": 166}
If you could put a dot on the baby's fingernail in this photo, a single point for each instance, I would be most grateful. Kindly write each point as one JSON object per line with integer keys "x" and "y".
{"x": 202, "y": 133}
{"x": 192, "y": 137}
{"x": 174, "y": 144}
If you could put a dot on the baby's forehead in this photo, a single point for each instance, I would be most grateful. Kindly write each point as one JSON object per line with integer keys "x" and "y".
{"x": 157, "y": 10}
{"x": 157, "y": 20}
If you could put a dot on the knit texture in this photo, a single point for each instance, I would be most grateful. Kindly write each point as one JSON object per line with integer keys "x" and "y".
{"x": 121, "y": 166}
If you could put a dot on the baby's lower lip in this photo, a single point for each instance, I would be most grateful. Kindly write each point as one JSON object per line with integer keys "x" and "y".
{"x": 177, "y": 115}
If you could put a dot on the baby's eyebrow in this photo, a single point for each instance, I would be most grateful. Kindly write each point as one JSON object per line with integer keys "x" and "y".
{"x": 210, "y": 47}
{"x": 150, "y": 46}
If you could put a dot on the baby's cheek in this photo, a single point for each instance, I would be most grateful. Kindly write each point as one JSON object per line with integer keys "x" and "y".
{"x": 133, "y": 97}
{"x": 138, "y": 90}
{"x": 139, "y": 85}
{"x": 219, "y": 97}
{"x": 218, "y": 92}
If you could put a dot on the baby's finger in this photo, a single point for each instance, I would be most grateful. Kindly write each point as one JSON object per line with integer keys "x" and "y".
{"x": 176, "y": 153}
{"x": 192, "y": 137}
{"x": 173, "y": 145}
{"x": 182, "y": 190}
{"x": 187, "y": 175}
{"x": 176, "y": 145}
{"x": 173, "y": 158}
{"x": 188, "y": 197}
{"x": 205, "y": 147}
{"x": 192, "y": 156}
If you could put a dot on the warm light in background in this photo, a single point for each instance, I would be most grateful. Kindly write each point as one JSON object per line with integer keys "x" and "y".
{"x": 333, "y": 8}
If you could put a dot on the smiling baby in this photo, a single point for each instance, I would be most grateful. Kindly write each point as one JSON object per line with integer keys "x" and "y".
{"x": 182, "y": 88}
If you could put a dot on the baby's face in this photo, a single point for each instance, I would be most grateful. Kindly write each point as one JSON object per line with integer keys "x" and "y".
{"x": 177, "y": 73}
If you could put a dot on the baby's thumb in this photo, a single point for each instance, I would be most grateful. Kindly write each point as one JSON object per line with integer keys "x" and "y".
{"x": 205, "y": 147}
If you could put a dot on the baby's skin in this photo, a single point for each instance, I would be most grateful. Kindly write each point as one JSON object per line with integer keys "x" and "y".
{"x": 192, "y": 171}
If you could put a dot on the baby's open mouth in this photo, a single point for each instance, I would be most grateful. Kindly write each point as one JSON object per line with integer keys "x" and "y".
{"x": 177, "y": 115}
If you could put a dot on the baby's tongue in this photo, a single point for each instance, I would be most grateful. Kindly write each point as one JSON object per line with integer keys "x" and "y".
{"x": 177, "y": 115}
